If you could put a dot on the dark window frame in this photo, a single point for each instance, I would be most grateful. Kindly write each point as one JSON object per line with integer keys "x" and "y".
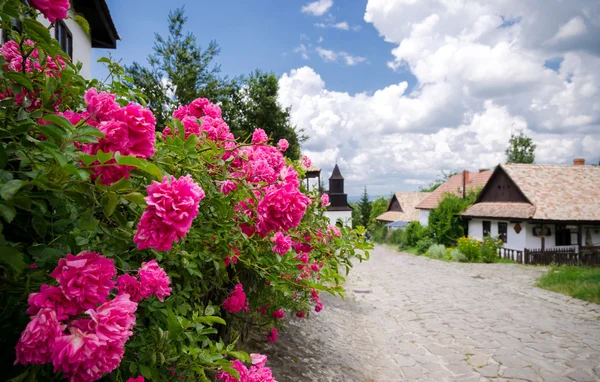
{"x": 66, "y": 40}
{"x": 562, "y": 235}
{"x": 503, "y": 232}
{"x": 488, "y": 231}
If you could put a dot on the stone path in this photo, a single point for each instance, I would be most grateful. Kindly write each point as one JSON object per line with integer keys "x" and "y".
{"x": 412, "y": 318}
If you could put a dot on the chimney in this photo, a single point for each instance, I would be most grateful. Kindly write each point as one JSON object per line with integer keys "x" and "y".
{"x": 579, "y": 162}
{"x": 465, "y": 179}
{"x": 482, "y": 170}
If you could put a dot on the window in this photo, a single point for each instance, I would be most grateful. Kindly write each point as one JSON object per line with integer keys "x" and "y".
{"x": 64, "y": 37}
{"x": 503, "y": 232}
{"x": 487, "y": 228}
{"x": 563, "y": 235}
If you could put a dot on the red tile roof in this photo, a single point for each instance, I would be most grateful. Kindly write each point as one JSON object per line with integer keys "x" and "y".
{"x": 501, "y": 210}
{"x": 407, "y": 201}
{"x": 454, "y": 184}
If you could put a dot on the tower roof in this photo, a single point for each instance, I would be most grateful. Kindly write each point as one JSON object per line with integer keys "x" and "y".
{"x": 336, "y": 174}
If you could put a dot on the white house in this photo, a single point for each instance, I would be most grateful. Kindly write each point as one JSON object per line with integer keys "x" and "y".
{"x": 401, "y": 209}
{"x": 338, "y": 209}
{"x": 531, "y": 206}
{"x": 73, "y": 38}
{"x": 457, "y": 184}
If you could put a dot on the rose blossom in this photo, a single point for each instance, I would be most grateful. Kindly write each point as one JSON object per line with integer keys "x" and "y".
{"x": 325, "y": 199}
{"x": 272, "y": 335}
{"x": 283, "y": 144}
{"x": 236, "y": 300}
{"x": 154, "y": 281}
{"x": 306, "y": 162}
{"x": 227, "y": 187}
{"x": 281, "y": 243}
{"x": 86, "y": 278}
{"x": 138, "y": 379}
{"x": 113, "y": 321}
{"x": 101, "y": 105}
{"x": 52, "y": 297}
{"x": 259, "y": 136}
{"x": 37, "y": 340}
{"x": 130, "y": 285}
{"x": 52, "y": 9}
{"x": 278, "y": 314}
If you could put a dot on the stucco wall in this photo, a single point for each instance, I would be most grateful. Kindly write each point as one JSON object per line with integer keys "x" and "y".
{"x": 333, "y": 216}
{"x": 424, "y": 217}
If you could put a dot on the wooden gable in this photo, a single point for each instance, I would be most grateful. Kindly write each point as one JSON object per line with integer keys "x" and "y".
{"x": 501, "y": 188}
{"x": 394, "y": 205}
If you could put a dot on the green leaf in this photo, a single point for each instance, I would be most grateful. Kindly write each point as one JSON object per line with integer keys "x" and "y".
{"x": 146, "y": 371}
{"x": 109, "y": 202}
{"x": 191, "y": 142}
{"x": 173, "y": 325}
{"x": 78, "y": 172}
{"x": 9, "y": 190}
{"x": 140, "y": 164}
{"x": 3, "y": 156}
{"x": 135, "y": 197}
{"x": 87, "y": 159}
{"x": 54, "y": 151}
{"x": 122, "y": 184}
{"x": 53, "y": 131}
{"x": 7, "y": 211}
{"x": 37, "y": 30}
{"x": 241, "y": 355}
{"x": 104, "y": 60}
{"x": 60, "y": 121}
{"x": 89, "y": 130}
{"x": 104, "y": 157}
{"x": 19, "y": 78}
{"x": 83, "y": 23}
{"x": 13, "y": 258}
{"x": 21, "y": 377}
{"x": 211, "y": 320}
{"x": 40, "y": 225}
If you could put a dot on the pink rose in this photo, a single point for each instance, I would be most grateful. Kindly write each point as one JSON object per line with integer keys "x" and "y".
{"x": 52, "y": 9}
{"x": 283, "y": 145}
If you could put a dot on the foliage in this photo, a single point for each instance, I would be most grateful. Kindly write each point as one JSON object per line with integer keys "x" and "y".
{"x": 445, "y": 222}
{"x": 395, "y": 237}
{"x": 414, "y": 232}
{"x": 579, "y": 282}
{"x": 436, "y": 251}
{"x": 423, "y": 244}
{"x": 365, "y": 209}
{"x": 51, "y": 206}
{"x": 456, "y": 255}
{"x": 471, "y": 248}
{"x": 477, "y": 251}
{"x": 379, "y": 234}
{"x": 378, "y": 206}
{"x": 521, "y": 149}
{"x": 441, "y": 179}
{"x": 254, "y": 104}
{"x": 180, "y": 70}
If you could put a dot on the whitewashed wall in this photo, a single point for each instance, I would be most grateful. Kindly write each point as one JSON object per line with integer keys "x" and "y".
{"x": 333, "y": 216}
{"x": 424, "y": 217}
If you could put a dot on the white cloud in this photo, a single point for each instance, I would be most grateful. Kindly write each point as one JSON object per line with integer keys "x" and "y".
{"x": 333, "y": 56}
{"x": 481, "y": 74}
{"x": 302, "y": 50}
{"x": 317, "y": 8}
{"x": 321, "y": 39}
{"x": 342, "y": 25}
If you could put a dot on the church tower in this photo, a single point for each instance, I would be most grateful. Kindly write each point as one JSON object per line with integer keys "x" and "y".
{"x": 338, "y": 207}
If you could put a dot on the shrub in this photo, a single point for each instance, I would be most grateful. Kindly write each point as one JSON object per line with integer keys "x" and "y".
{"x": 424, "y": 244}
{"x": 176, "y": 234}
{"x": 470, "y": 248}
{"x": 437, "y": 251}
{"x": 379, "y": 234}
{"x": 395, "y": 237}
{"x": 456, "y": 255}
{"x": 414, "y": 232}
{"x": 445, "y": 223}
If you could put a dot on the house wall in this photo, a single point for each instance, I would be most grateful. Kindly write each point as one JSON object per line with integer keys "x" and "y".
{"x": 424, "y": 217}
{"x": 333, "y": 216}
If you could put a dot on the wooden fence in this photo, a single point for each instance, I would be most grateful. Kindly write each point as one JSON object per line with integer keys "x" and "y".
{"x": 511, "y": 254}
{"x": 589, "y": 256}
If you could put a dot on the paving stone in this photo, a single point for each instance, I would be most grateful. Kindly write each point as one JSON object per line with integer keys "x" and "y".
{"x": 524, "y": 373}
{"x": 430, "y": 320}
{"x": 580, "y": 376}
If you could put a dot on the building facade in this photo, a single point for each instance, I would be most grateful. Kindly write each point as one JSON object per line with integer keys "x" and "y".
{"x": 338, "y": 211}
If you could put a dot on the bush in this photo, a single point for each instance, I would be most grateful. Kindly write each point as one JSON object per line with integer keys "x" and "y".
{"x": 475, "y": 250}
{"x": 445, "y": 223}
{"x": 379, "y": 234}
{"x": 182, "y": 243}
{"x": 395, "y": 237}
{"x": 456, "y": 255}
{"x": 470, "y": 248}
{"x": 423, "y": 245}
{"x": 437, "y": 251}
{"x": 414, "y": 232}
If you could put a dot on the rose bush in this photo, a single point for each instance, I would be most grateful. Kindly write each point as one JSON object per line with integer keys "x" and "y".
{"x": 135, "y": 253}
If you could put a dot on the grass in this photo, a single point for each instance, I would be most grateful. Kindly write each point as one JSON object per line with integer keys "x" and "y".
{"x": 579, "y": 282}
{"x": 412, "y": 250}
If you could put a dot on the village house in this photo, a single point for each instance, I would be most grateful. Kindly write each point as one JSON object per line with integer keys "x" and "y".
{"x": 458, "y": 184}
{"x": 401, "y": 209}
{"x": 539, "y": 207}
{"x": 74, "y": 40}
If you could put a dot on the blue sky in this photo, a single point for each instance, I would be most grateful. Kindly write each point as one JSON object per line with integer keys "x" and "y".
{"x": 262, "y": 35}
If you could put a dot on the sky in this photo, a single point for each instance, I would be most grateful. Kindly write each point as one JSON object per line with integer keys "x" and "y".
{"x": 396, "y": 91}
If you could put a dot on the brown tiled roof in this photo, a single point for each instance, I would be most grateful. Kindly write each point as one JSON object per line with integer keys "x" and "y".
{"x": 559, "y": 192}
{"x": 454, "y": 184}
{"x": 501, "y": 210}
{"x": 408, "y": 201}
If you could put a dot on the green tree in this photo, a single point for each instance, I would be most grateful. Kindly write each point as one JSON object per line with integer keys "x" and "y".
{"x": 445, "y": 223}
{"x": 254, "y": 104}
{"x": 521, "y": 149}
{"x": 180, "y": 71}
{"x": 365, "y": 209}
{"x": 378, "y": 206}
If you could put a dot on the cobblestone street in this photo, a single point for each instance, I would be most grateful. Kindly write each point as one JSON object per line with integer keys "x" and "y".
{"x": 412, "y": 318}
